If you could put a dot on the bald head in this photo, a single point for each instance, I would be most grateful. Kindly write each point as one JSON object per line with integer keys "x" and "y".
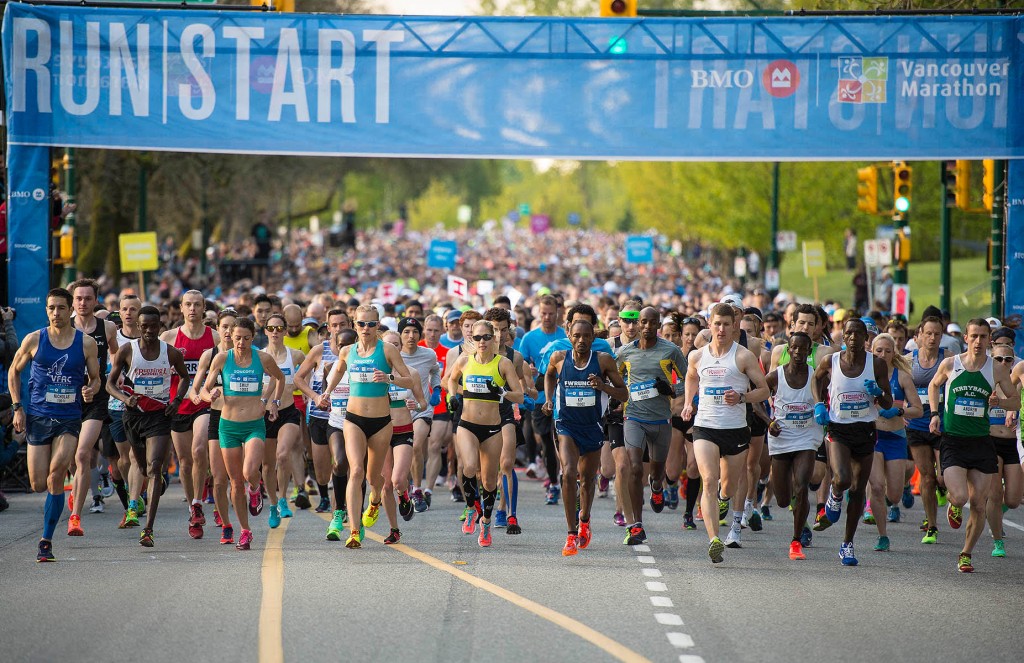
{"x": 292, "y": 314}
{"x": 317, "y": 310}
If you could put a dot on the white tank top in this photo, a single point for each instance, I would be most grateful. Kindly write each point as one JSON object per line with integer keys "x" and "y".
{"x": 794, "y": 412}
{"x": 288, "y": 368}
{"x": 848, "y": 400}
{"x": 114, "y": 404}
{"x": 717, "y": 376}
{"x": 151, "y": 380}
{"x": 339, "y": 398}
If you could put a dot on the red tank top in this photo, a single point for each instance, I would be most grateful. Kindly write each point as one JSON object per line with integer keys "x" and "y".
{"x": 192, "y": 349}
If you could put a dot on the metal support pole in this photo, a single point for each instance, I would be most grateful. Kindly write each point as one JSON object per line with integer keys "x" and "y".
{"x": 773, "y": 259}
{"x": 70, "y": 274}
{"x": 206, "y": 232}
{"x": 143, "y": 212}
{"x": 901, "y": 274}
{"x": 998, "y": 218}
{"x": 944, "y": 259}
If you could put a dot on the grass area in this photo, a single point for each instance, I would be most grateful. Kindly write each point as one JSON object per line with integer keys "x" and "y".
{"x": 967, "y": 274}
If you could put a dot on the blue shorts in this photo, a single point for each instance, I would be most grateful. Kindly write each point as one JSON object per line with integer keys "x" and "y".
{"x": 44, "y": 430}
{"x": 588, "y": 439}
{"x": 892, "y": 445}
{"x": 117, "y": 427}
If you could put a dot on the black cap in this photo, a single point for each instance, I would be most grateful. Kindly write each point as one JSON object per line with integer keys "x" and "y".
{"x": 1002, "y": 332}
{"x": 410, "y": 322}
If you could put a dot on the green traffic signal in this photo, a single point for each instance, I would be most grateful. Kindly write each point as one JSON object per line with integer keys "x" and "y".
{"x": 902, "y": 204}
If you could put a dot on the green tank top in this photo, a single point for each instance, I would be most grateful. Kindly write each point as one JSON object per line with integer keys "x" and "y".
{"x": 784, "y": 355}
{"x": 239, "y": 381}
{"x": 965, "y": 411}
{"x": 360, "y": 372}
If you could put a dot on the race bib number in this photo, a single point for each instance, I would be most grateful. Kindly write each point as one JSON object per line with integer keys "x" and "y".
{"x": 192, "y": 367}
{"x": 477, "y": 384}
{"x": 339, "y": 404}
{"x": 922, "y": 392}
{"x": 799, "y": 419}
{"x": 60, "y": 395}
{"x": 287, "y": 372}
{"x": 149, "y": 386}
{"x": 969, "y": 407}
{"x": 641, "y": 391}
{"x": 244, "y": 384}
{"x": 997, "y": 416}
{"x": 359, "y": 373}
{"x": 853, "y": 405}
{"x": 714, "y": 395}
{"x": 580, "y": 397}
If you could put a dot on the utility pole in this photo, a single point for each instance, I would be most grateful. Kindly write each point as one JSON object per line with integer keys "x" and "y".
{"x": 998, "y": 217}
{"x": 69, "y": 221}
{"x": 944, "y": 257}
{"x": 773, "y": 258}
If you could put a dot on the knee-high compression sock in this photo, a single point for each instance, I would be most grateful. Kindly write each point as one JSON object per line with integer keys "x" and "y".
{"x": 469, "y": 490}
{"x": 121, "y": 488}
{"x": 322, "y": 489}
{"x": 513, "y": 496}
{"x": 692, "y": 489}
{"x": 51, "y": 514}
{"x": 488, "y": 501}
{"x": 340, "y": 486}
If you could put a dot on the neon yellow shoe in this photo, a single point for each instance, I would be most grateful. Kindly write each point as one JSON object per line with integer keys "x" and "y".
{"x": 371, "y": 515}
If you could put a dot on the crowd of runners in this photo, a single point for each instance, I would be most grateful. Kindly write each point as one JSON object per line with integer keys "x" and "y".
{"x": 728, "y": 407}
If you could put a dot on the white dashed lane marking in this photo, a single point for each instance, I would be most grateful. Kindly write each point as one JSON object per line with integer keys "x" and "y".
{"x": 675, "y": 638}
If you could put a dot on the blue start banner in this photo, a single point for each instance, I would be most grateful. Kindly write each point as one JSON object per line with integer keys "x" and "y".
{"x": 837, "y": 88}
{"x": 442, "y": 254}
{"x": 640, "y": 250}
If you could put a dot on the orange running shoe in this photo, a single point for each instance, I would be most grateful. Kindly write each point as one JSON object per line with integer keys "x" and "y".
{"x": 796, "y": 551}
{"x": 583, "y": 535}
{"x": 570, "y": 546}
{"x": 75, "y": 526}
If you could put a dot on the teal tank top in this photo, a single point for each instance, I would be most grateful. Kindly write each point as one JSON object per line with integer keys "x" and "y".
{"x": 240, "y": 381}
{"x": 360, "y": 372}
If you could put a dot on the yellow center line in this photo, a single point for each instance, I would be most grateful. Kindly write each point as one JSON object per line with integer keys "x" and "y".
{"x": 611, "y": 647}
{"x": 271, "y": 646}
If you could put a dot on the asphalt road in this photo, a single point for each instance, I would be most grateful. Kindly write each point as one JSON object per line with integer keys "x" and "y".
{"x": 440, "y": 597}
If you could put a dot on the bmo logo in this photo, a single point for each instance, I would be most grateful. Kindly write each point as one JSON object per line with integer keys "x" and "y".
{"x": 780, "y": 78}
{"x": 729, "y": 78}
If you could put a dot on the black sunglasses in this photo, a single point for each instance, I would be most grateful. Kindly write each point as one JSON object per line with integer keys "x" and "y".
{"x": 692, "y": 321}
{"x": 1004, "y": 359}
{"x": 483, "y": 337}
{"x": 367, "y": 323}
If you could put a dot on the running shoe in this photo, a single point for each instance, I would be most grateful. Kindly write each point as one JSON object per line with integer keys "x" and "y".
{"x": 274, "y": 519}
{"x": 227, "y": 535}
{"x": 894, "y": 514}
{"x": 715, "y": 550}
{"x": 457, "y": 494}
{"x": 998, "y": 549}
{"x": 45, "y": 553}
{"x": 97, "y": 505}
{"x": 931, "y": 536}
{"x": 418, "y": 502}
{"x": 766, "y": 513}
{"x": 405, "y": 506}
{"x": 394, "y": 537}
{"x": 908, "y": 497}
{"x": 954, "y": 514}
{"x": 427, "y": 495}
{"x": 302, "y": 500}
{"x": 131, "y": 517}
{"x": 469, "y": 526}
{"x": 700, "y": 515}
{"x": 732, "y": 539}
{"x": 883, "y": 544}
{"x": 123, "y": 524}
{"x": 940, "y": 495}
{"x": 671, "y": 495}
{"x": 846, "y": 555}
{"x": 371, "y": 515}
{"x": 570, "y": 547}
{"x": 513, "y": 526}
{"x": 142, "y": 504}
{"x": 311, "y": 486}
{"x": 868, "y": 518}
{"x": 723, "y": 508}
{"x": 485, "y": 535}
{"x": 636, "y": 535}
{"x": 964, "y": 565}
{"x": 657, "y": 501}
{"x": 75, "y": 526}
{"x": 255, "y": 500}
{"x": 554, "y": 492}
{"x": 806, "y": 537}
{"x": 325, "y": 504}
{"x": 796, "y": 551}
{"x": 834, "y": 508}
{"x": 924, "y": 525}
{"x": 602, "y": 485}
{"x": 336, "y": 525}
{"x": 531, "y": 470}
{"x": 619, "y": 519}
{"x": 106, "y": 487}
{"x": 760, "y": 491}
{"x": 244, "y": 541}
{"x": 195, "y": 527}
{"x": 821, "y": 522}
{"x": 362, "y": 533}
{"x": 500, "y": 518}
{"x": 465, "y": 513}
{"x": 216, "y": 519}
{"x": 688, "y": 523}
{"x": 583, "y": 535}
{"x": 146, "y": 538}
{"x": 282, "y": 507}
{"x": 755, "y": 521}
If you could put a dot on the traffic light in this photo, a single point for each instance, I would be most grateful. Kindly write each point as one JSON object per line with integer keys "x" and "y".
{"x": 988, "y": 182}
{"x": 963, "y": 184}
{"x": 279, "y": 5}
{"x": 867, "y": 190}
{"x": 901, "y": 248}
{"x": 902, "y": 185}
{"x": 618, "y": 8}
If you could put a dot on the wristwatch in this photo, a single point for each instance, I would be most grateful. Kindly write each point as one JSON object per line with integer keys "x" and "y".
{"x": 276, "y": 401}
{"x": 743, "y": 397}
{"x": 16, "y": 406}
{"x": 900, "y": 411}
{"x": 936, "y": 414}
{"x": 264, "y": 401}
{"x": 391, "y": 377}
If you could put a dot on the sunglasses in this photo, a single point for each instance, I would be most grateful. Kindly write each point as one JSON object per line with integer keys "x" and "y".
{"x": 367, "y": 323}
{"x": 275, "y": 328}
{"x": 1006, "y": 360}
{"x": 692, "y": 321}
{"x": 483, "y": 338}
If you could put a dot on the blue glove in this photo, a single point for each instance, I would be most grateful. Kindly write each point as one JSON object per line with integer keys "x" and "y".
{"x": 889, "y": 413}
{"x": 435, "y": 397}
{"x": 821, "y": 414}
{"x": 872, "y": 388}
{"x": 529, "y": 404}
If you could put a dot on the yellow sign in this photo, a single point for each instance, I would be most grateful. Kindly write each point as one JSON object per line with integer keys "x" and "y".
{"x": 814, "y": 259}
{"x": 138, "y": 252}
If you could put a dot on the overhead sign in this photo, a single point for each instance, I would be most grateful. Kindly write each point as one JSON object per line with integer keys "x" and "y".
{"x": 138, "y": 252}
{"x": 442, "y": 254}
{"x": 737, "y": 88}
{"x": 640, "y": 250}
{"x": 877, "y": 252}
{"x": 814, "y": 259}
{"x": 785, "y": 240}
{"x": 458, "y": 287}
{"x": 900, "y": 299}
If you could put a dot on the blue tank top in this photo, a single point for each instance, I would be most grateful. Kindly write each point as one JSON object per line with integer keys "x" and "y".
{"x": 922, "y": 377}
{"x": 579, "y": 404}
{"x": 894, "y": 383}
{"x": 240, "y": 381}
{"x": 360, "y": 372}
{"x": 56, "y": 379}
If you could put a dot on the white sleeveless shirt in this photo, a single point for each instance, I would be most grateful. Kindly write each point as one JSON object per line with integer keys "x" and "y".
{"x": 717, "y": 376}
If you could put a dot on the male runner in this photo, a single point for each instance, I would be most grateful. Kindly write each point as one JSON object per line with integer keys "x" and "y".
{"x": 301, "y": 338}
{"x": 424, "y": 360}
{"x": 924, "y": 446}
{"x": 967, "y": 452}
{"x": 123, "y": 470}
{"x": 60, "y": 357}
{"x": 148, "y": 363}
{"x": 190, "y": 427}
{"x": 441, "y": 425}
{"x": 95, "y": 412}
